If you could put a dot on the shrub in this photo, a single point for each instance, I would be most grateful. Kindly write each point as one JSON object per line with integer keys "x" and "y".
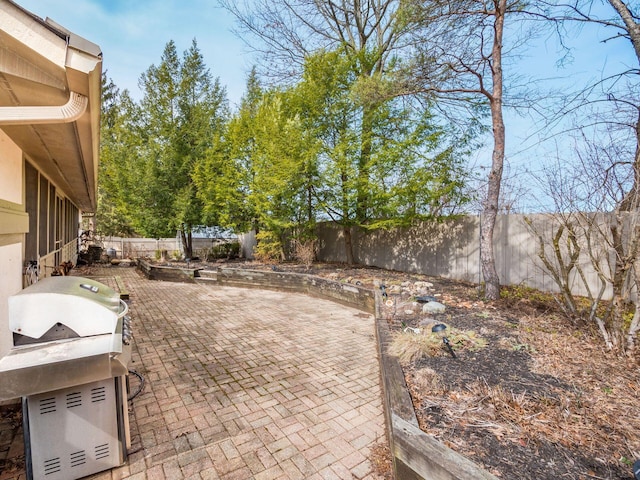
{"x": 269, "y": 247}
{"x": 411, "y": 345}
{"x": 226, "y": 250}
{"x": 305, "y": 251}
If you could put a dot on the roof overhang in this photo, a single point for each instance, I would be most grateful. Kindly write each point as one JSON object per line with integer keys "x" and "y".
{"x": 50, "y": 88}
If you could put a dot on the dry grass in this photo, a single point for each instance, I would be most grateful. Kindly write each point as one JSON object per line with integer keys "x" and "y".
{"x": 602, "y": 406}
{"x": 523, "y": 419}
{"x": 305, "y": 251}
{"x": 412, "y": 344}
{"x": 380, "y": 458}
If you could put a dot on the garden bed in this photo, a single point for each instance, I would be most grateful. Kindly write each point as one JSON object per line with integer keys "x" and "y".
{"x": 170, "y": 272}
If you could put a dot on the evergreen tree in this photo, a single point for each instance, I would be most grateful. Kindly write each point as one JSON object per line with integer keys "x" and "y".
{"x": 117, "y": 178}
{"x": 184, "y": 114}
{"x": 414, "y": 171}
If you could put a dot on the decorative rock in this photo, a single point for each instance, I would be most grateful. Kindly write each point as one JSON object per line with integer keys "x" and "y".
{"x": 426, "y": 299}
{"x": 433, "y": 307}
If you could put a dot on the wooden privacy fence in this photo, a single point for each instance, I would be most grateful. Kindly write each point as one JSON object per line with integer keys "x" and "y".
{"x": 451, "y": 249}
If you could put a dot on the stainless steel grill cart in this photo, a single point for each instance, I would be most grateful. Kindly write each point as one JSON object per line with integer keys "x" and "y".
{"x": 69, "y": 363}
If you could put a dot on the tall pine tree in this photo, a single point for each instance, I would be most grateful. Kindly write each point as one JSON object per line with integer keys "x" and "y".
{"x": 184, "y": 113}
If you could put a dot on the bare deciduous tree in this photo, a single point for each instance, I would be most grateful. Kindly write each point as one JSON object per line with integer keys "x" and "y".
{"x": 461, "y": 56}
{"x": 606, "y": 178}
{"x": 593, "y": 233}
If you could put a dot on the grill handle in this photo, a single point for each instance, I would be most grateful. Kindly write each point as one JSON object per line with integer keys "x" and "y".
{"x": 125, "y": 308}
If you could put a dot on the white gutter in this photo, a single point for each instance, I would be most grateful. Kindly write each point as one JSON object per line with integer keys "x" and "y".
{"x": 32, "y": 115}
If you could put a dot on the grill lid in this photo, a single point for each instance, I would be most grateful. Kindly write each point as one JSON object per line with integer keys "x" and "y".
{"x": 85, "y": 306}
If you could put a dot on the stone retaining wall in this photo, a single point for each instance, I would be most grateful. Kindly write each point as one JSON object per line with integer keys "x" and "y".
{"x": 343, "y": 293}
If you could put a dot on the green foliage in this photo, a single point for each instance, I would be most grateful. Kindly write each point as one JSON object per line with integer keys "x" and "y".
{"x": 381, "y": 163}
{"x": 269, "y": 248}
{"x": 260, "y": 177}
{"x": 116, "y": 175}
{"x": 150, "y": 150}
{"x": 522, "y": 292}
{"x": 225, "y": 250}
{"x": 337, "y": 145}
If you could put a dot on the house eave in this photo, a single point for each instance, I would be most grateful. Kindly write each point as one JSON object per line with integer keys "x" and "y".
{"x": 41, "y": 64}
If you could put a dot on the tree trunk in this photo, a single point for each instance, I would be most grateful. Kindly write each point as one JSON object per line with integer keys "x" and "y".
{"x": 490, "y": 210}
{"x": 187, "y": 245}
{"x": 626, "y": 257}
{"x": 348, "y": 244}
{"x": 631, "y": 24}
{"x": 631, "y": 202}
{"x": 363, "y": 201}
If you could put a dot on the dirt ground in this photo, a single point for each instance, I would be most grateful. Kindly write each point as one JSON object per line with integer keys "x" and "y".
{"x": 541, "y": 400}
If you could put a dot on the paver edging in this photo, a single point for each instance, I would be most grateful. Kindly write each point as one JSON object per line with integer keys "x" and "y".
{"x": 416, "y": 455}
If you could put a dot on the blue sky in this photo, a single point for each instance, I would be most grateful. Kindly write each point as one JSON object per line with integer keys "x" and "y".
{"x": 133, "y": 33}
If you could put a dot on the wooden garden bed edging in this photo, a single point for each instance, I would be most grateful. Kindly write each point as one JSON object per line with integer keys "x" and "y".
{"x": 416, "y": 455}
{"x": 167, "y": 273}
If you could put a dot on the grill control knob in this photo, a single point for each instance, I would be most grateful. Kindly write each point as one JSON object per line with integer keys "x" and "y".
{"x": 126, "y": 330}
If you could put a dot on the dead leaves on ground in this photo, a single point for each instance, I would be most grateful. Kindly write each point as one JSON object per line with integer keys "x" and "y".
{"x": 595, "y": 410}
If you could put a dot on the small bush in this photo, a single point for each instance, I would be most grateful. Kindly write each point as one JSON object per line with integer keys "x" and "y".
{"x": 223, "y": 250}
{"x": 305, "y": 251}
{"x": 269, "y": 247}
{"x": 522, "y": 292}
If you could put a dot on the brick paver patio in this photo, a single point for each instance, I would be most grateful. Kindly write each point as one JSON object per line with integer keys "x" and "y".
{"x": 249, "y": 384}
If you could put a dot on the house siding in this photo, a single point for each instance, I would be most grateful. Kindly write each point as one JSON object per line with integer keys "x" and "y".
{"x": 36, "y": 219}
{"x": 13, "y": 225}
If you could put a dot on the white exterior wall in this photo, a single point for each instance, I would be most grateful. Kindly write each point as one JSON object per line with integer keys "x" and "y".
{"x": 10, "y": 171}
{"x": 10, "y": 284}
{"x": 13, "y": 226}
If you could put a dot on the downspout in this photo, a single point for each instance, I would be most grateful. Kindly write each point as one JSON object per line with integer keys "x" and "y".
{"x": 33, "y": 115}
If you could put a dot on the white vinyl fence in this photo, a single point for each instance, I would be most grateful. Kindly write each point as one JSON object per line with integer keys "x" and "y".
{"x": 170, "y": 248}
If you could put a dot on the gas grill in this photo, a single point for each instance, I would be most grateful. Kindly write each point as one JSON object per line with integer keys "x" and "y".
{"x": 69, "y": 364}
